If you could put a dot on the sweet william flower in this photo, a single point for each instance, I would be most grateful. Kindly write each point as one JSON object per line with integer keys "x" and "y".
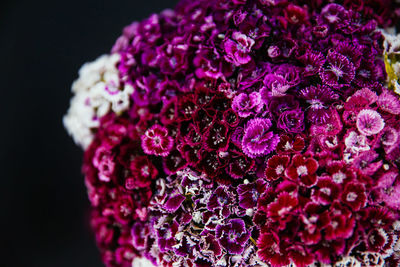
{"x": 156, "y": 141}
{"x": 238, "y": 48}
{"x": 232, "y": 236}
{"x": 276, "y": 166}
{"x": 246, "y": 105}
{"x": 302, "y": 169}
{"x": 369, "y": 122}
{"x": 337, "y": 70}
{"x": 354, "y": 195}
{"x": 143, "y": 172}
{"x": 257, "y": 140}
{"x": 291, "y": 121}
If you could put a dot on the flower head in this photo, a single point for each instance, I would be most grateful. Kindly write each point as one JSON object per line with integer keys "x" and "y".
{"x": 369, "y": 122}
{"x": 257, "y": 140}
{"x": 156, "y": 141}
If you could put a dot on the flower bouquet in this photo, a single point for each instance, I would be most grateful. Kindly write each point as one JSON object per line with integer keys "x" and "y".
{"x": 246, "y": 133}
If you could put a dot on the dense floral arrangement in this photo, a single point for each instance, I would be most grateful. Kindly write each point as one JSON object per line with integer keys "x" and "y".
{"x": 246, "y": 133}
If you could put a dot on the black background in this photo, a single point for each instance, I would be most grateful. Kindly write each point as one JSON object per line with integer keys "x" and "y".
{"x": 43, "y": 201}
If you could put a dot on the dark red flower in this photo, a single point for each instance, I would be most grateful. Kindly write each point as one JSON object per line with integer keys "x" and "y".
{"x": 354, "y": 195}
{"x": 303, "y": 170}
{"x": 276, "y": 166}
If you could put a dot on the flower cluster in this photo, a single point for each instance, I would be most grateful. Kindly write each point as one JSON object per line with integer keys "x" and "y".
{"x": 246, "y": 133}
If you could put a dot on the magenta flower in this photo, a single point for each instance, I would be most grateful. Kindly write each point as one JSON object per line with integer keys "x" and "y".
{"x": 246, "y": 105}
{"x": 143, "y": 172}
{"x": 238, "y": 49}
{"x": 369, "y": 122}
{"x": 156, "y": 141}
{"x": 104, "y": 162}
{"x": 271, "y": 250}
{"x": 389, "y": 103}
{"x": 312, "y": 62}
{"x": 338, "y": 70}
{"x": 354, "y": 195}
{"x": 257, "y": 140}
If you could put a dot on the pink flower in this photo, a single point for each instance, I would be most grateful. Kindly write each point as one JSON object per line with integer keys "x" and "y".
{"x": 156, "y": 141}
{"x": 364, "y": 162}
{"x": 388, "y": 102}
{"x": 246, "y": 105}
{"x": 104, "y": 162}
{"x": 369, "y": 122}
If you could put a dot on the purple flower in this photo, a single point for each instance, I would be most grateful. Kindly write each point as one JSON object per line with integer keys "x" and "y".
{"x": 338, "y": 70}
{"x": 165, "y": 234}
{"x": 275, "y": 85}
{"x": 222, "y": 200}
{"x": 232, "y": 236}
{"x": 238, "y": 50}
{"x": 292, "y": 121}
{"x": 369, "y": 122}
{"x": 333, "y": 14}
{"x": 174, "y": 202}
{"x": 140, "y": 233}
{"x": 246, "y": 105}
{"x": 319, "y": 98}
{"x": 312, "y": 61}
{"x": 249, "y": 193}
{"x": 257, "y": 140}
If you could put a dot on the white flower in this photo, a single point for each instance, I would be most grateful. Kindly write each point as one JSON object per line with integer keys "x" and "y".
{"x": 98, "y": 91}
{"x": 141, "y": 262}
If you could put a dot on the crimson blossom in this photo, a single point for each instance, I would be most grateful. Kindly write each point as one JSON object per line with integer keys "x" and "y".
{"x": 245, "y": 133}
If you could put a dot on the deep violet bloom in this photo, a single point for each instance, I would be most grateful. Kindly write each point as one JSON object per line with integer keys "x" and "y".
{"x": 257, "y": 140}
{"x": 233, "y": 235}
{"x": 337, "y": 70}
{"x": 221, "y": 199}
{"x": 238, "y": 48}
{"x": 319, "y": 99}
{"x": 246, "y": 105}
{"x": 369, "y": 122}
{"x": 249, "y": 193}
{"x": 291, "y": 121}
{"x": 156, "y": 141}
{"x": 312, "y": 61}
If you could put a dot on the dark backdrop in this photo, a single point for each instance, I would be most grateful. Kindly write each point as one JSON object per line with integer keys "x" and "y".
{"x": 43, "y": 202}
